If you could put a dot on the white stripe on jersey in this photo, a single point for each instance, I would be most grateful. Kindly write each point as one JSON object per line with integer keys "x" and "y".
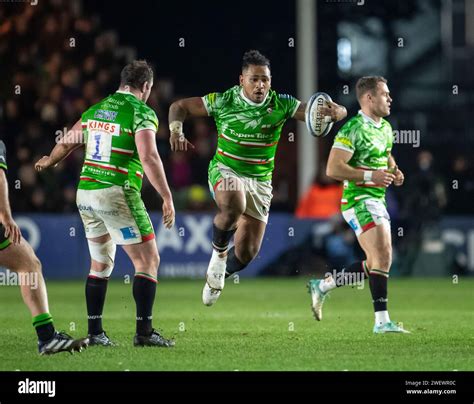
{"x": 246, "y": 158}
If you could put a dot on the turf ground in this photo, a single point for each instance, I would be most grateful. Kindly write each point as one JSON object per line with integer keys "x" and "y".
{"x": 258, "y": 324}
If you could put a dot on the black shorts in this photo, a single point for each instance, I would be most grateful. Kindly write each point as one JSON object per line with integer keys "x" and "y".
{"x": 4, "y": 241}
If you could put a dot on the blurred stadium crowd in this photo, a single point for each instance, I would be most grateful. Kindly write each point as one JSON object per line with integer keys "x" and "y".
{"x": 60, "y": 61}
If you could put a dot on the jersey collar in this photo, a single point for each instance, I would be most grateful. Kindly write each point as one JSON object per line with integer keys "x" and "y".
{"x": 126, "y": 92}
{"x": 369, "y": 119}
{"x": 249, "y": 101}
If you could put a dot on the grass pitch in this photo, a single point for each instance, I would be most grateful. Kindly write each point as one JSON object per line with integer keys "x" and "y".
{"x": 257, "y": 324}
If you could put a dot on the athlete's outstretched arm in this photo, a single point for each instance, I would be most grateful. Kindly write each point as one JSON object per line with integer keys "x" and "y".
{"x": 72, "y": 141}
{"x": 335, "y": 111}
{"x": 179, "y": 111}
{"x": 339, "y": 169}
{"x": 11, "y": 228}
{"x": 153, "y": 167}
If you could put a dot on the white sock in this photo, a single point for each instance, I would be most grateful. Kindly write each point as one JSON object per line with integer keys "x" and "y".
{"x": 219, "y": 255}
{"x": 381, "y": 317}
{"x": 327, "y": 284}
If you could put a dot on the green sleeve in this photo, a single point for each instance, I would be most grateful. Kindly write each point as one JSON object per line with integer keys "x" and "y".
{"x": 290, "y": 105}
{"x": 3, "y": 156}
{"x": 145, "y": 118}
{"x": 346, "y": 137}
{"x": 213, "y": 102}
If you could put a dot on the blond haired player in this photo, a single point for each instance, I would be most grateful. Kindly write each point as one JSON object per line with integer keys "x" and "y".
{"x": 362, "y": 157}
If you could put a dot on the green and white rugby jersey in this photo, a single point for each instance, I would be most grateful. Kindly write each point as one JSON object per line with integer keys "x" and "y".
{"x": 371, "y": 145}
{"x": 249, "y": 132}
{"x": 109, "y": 129}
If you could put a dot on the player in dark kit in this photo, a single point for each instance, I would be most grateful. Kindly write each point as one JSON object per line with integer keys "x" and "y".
{"x": 18, "y": 256}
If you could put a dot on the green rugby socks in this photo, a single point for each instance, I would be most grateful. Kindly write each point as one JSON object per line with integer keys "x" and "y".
{"x": 44, "y": 327}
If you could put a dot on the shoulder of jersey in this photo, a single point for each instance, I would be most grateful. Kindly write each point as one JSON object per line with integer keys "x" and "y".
{"x": 387, "y": 123}
{"x": 142, "y": 107}
{"x": 231, "y": 92}
{"x": 283, "y": 96}
{"x": 148, "y": 109}
{"x": 228, "y": 95}
{"x": 353, "y": 123}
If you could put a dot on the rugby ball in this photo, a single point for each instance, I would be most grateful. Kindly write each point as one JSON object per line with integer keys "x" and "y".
{"x": 317, "y": 124}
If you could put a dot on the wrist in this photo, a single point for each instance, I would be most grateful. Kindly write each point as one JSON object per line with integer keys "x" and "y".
{"x": 343, "y": 113}
{"x": 176, "y": 127}
{"x": 167, "y": 197}
{"x": 368, "y": 175}
{"x": 5, "y": 217}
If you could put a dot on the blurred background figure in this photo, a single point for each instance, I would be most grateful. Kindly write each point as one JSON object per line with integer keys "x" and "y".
{"x": 425, "y": 193}
{"x": 422, "y": 209}
{"x": 322, "y": 200}
{"x": 462, "y": 194}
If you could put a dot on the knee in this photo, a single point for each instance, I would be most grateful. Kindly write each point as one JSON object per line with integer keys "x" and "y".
{"x": 27, "y": 263}
{"x": 232, "y": 205}
{"x": 149, "y": 264}
{"x": 36, "y": 265}
{"x": 232, "y": 210}
{"x": 386, "y": 259}
{"x": 102, "y": 258}
{"x": 156, "y": 264}
{"x": 383, "y": 260}
{"x": 153, "y": 267}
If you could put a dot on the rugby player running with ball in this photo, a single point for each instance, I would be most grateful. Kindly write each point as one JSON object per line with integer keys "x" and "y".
{"x": 249, "y": 119}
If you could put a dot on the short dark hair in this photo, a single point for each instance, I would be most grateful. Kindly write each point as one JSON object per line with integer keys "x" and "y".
{"x": 135, "y": 74}
{"x": 368, "y": 83}
{"x": 254, "y": 57}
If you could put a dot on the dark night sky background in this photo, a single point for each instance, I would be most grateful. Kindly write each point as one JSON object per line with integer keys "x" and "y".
{"x": 216, "y": 35}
